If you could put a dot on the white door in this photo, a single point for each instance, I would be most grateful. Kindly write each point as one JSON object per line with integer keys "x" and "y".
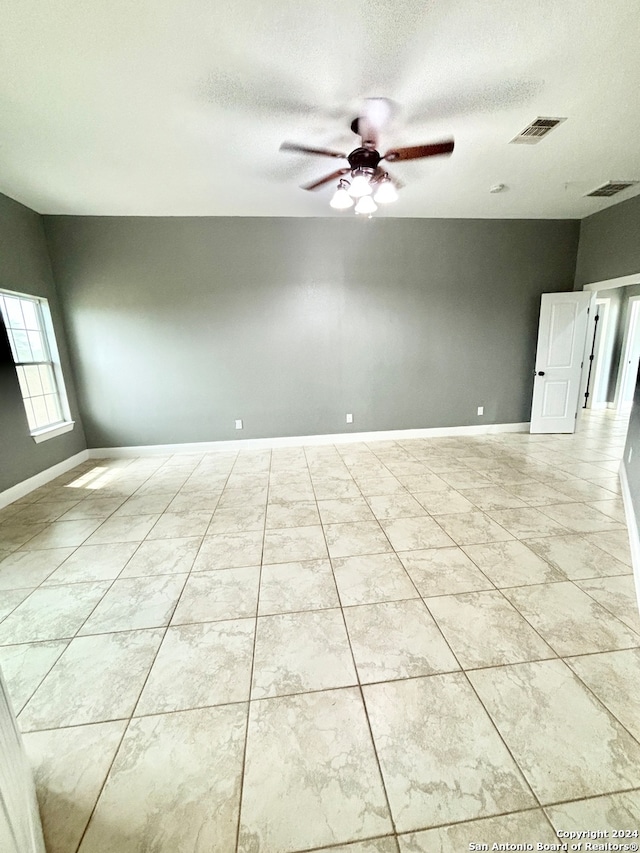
{"x": 20, "y": 828}
{"x": 561, "y": 349}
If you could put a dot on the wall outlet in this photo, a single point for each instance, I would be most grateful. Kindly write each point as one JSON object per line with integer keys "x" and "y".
{"x": 630, "y": 454}
{"x": 481, "y": 410}
{"x": 239, "y": 424}
{"x": 349, "y": 419}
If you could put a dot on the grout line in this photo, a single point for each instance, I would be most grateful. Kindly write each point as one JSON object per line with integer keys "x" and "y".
{"x": 498, "y": 446}
{"x": 253, "y": 659}
{"x": 500, "y": 735}
{"x": 18, "y": 711}
{"x": 463, "y": 671}
{"x": 102, "y": 786}
{"x": 130, "y": 717}
{"x": 606, "y": 607}
{"x": 345, "y": 846}
{"x": 75, "y": 548}
{"x": 360, "y": 691}
{"x": 145, "y": 539}
{"x": 629, "y": 790}
{"x": 521, "y": 770}
{"x": 608, "y": 711}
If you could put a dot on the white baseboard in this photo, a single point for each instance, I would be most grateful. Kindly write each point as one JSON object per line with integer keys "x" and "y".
{"x": 41, "y": 479}
{"x": 632, "y": 525}
{"x": 302, "y": 440}
{"x": 598, "y": 406}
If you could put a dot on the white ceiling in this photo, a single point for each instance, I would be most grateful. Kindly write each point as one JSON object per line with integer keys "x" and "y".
{"x": 178, "y": 107}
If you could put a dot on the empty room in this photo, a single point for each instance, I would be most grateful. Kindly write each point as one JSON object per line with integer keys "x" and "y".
{"x": 319, "y": 426}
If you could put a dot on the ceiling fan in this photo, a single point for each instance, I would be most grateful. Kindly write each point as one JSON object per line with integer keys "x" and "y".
{"x": 368, "y": 181}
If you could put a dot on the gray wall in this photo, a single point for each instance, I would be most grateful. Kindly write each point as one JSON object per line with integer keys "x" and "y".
{"x": 625, "y": 293}
{"x": 610, "y": 247}
{"x": 179, "y": 326}
{"x": 25, "y": 267}
{"x": 609, "y": 243}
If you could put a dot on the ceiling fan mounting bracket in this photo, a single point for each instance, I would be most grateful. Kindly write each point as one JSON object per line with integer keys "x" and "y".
{"x": 366, "y": 143}
{"x": 364, "y": 158}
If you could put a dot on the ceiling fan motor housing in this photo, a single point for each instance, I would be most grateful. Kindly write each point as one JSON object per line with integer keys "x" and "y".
{"x": 364, "y": 158}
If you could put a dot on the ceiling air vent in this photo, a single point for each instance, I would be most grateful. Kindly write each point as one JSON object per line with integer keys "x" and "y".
{"x": 537, "y": 130}
{"x": 611, "y": 188}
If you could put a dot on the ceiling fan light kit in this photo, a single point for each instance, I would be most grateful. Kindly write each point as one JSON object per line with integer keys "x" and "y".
{"x": 360, "y": 183}
{"x": 386, "y": 192}
{"x": 369, "y": 182}
{"x": 366, "y": 205}
{"x": 341, "y": 199}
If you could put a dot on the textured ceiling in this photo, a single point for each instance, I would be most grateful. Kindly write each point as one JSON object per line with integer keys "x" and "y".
{"x": 177, "y": 107}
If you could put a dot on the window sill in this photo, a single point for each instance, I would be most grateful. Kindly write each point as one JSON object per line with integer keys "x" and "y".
{"x": 52, "y": 432}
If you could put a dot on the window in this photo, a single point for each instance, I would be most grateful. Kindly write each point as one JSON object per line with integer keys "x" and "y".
{"x": 33, "y": 346}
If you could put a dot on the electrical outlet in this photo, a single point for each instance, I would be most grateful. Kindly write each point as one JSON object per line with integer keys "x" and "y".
{"x": 349, "y": 419}
{"x": 630, "y": 454}
{"x": 481, "y": 410}
{"x": 239, "y": 424}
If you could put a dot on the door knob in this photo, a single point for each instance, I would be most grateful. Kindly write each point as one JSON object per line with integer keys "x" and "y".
{"x": 541, "y": 373}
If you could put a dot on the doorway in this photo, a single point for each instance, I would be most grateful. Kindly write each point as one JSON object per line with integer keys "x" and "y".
{"x": 600, "y": 356}
{"x": 630, "y": 358}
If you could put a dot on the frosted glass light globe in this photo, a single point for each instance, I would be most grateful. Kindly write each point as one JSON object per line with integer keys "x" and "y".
{"x": 360, "y": 186}
{"x": 366, "y": 205}
{"x": 386, "y": 193}
{"x": 341, "y": 199}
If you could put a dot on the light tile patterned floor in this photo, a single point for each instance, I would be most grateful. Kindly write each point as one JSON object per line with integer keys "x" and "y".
{"x": 399, "y": 647}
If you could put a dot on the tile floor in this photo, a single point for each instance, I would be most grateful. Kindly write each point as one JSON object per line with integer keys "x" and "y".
{"x": 395, "y": 646}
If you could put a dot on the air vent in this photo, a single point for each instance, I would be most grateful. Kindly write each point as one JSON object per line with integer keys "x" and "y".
{"x": 537, "y": 130}
{"x": 611, "y": 188}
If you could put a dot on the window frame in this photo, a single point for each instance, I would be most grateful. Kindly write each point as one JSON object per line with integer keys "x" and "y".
{"x": 52, "y": 360}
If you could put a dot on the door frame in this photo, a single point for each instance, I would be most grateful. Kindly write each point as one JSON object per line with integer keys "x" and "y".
{"x": 612, "y": 284}
{"x": 584, "y": 366}
{"x": 631, "y": 329}
{"x": 603, "y": 311}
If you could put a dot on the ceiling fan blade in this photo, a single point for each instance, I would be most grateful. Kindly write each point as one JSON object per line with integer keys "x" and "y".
{"x": 304, "y": 149}
{"x": 315, "y": 185}
{"x": 415, "y": 152}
